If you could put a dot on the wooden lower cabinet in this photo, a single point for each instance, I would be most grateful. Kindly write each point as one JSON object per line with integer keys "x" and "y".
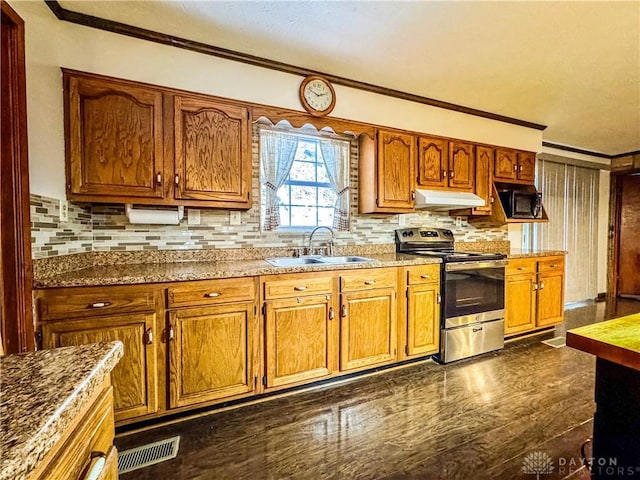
{"x": 134, "y": 378}
{"x": 550, "y": 298}
{"x": 423, "y": 319}
{"x": 211, "y": 353}
{"x": 367, "y": 328}
{"x": 300, "y": 340}
{"x": 520, "y": 303}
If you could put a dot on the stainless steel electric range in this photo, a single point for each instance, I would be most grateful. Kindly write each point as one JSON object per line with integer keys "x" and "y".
{"x": 472, "y": 290}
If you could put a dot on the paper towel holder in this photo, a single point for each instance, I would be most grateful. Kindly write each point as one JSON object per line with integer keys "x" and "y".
{"x": 154, "y": 216}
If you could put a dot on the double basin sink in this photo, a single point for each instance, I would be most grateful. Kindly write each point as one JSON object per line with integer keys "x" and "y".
{"x": 316, "y": 260}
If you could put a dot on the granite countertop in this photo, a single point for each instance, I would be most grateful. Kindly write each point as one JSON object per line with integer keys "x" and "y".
{"x": 40, "y": 394}
{"x": 533, "y": 252}
{"x": 129, "y": 274}
{"x": 615, "y": 340}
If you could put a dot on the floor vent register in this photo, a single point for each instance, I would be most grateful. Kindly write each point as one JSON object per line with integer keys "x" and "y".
{"x": 556, "y": 342}
{"x": 148, "y": 455}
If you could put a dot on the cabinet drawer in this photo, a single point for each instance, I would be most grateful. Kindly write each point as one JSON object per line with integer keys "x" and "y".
{"x": 551, "y": 264}
{"x": 423, "y": 274}
{"x": 297, "y": 286}
{"x": 73, "y": 302}
{"x": 524, "y": 265}
{"x": 368, "y": 279}
{"x": 212, "y": 292}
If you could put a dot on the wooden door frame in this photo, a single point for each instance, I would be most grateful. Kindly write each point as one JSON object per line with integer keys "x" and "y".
{"x": 16, "y": 317}
{"x": 615, "y": 212}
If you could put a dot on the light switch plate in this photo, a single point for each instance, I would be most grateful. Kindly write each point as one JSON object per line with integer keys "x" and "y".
{"x": 193, "y": 216}
{"x": 234, "y": 218}
{"x": 64, "y": 210}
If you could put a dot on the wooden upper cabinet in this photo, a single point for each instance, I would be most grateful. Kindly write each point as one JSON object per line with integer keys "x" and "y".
{"x": 114, "y": 139}
{"x": 514, "y": 166}
{"x": 212, "y": 151}
{"x": 396, "y": 172}
{"x": 484, "y": 178}
{"x": 461, "y": 166}
{"x": 505, "y": 165}
{"x": 433, "y": 161}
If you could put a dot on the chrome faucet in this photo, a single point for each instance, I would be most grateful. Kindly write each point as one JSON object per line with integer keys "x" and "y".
{"x": 329, "y": 244}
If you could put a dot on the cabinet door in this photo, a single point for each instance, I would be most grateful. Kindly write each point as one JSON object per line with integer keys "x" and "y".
{"x": 520, "y": 303}
{"x": 396, "y": 171}
{"x": 300, "y": 339}
{"x": 134, "y": 378}
{"x": 550, "y": 298}
{"x": 526, "y": 166}
{"x": 505, "y": 164}
{"x": 461, "y": 166}
{"x": 211, "y": 353}
{"x": 484, "y": 179}
{"x": 423, "y": 319}
{"x": 114, "y": 139}
{"x": 367, "y": 328}
{"x": 433, "y": 159}
{"x": 212, "y": 152}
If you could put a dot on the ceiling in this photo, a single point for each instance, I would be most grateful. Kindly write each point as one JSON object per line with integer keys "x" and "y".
{"x": 573, "y": 66}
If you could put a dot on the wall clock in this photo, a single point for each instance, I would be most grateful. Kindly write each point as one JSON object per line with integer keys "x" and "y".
{"x": 317, "y": 95}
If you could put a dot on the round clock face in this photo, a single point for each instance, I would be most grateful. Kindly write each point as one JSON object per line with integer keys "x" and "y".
{"x": 317, "y": 95}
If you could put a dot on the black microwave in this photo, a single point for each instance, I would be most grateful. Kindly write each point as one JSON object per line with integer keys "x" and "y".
{"x": 518, "y": 204}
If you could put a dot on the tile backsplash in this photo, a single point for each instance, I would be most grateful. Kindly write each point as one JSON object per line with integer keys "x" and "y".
{"x": 102, "y": 227}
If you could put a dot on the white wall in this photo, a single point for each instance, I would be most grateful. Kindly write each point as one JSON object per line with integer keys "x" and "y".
{"x": 52, "y": 44}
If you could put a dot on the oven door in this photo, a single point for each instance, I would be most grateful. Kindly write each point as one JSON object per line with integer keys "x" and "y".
{"x": 474, "y": 292}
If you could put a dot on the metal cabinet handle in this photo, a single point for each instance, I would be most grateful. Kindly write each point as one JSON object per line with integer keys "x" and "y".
{"x": 444, "y": 175}
{"x": 343, "y": 311}
{"x": 413, "y": 195}
{"x": 541, "y": 285}
{"x": 515, "y": 168}
{"x": 159, "y": 178}
{"x": 520, "y": 168}
{"x": 438, "y": 298}
{"x": 170, "y": 334}
{"x": 553, "y": 265}
{"x": 331, "y": 314}
{"x": 521, "y": 268}
{"x": 100, "y": 304}
{"x": 451, "y": 173}
{"x": 212, "y": 294}
{"x": 369, "y": 282}
{"x": 535, "y": 286}
{"x": 177, "y": 179}
{"x": 148, "y": 336}
{"x": 300, "y": 289}
{"x": 98, "y": 461}
{"x": 426, "y": 277}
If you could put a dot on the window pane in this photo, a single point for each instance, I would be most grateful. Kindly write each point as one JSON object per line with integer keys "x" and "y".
{"x": 303, "y": 216}
{"x": 283, "y": 194}
{"x": 284, "y": 216}
{"x": 306, "y": 151}
{"x": 326, "y": 197}
{"x": 304, "y": 171}
{"x": 325, "y": 216}
{"x": 322, "y": 173}
{"x": 303, "y": 195}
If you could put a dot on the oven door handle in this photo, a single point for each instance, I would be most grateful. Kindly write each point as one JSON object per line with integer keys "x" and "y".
{"x": 453, "y": 267}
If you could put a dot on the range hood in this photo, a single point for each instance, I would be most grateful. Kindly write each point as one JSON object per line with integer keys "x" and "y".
{"x": 446, "y": 200}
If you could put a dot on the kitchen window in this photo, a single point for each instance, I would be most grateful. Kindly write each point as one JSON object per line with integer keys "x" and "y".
{"x": 304, "y": 179}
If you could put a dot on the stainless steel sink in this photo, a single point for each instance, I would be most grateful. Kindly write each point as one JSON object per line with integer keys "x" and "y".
{"x": 316, "y": 260}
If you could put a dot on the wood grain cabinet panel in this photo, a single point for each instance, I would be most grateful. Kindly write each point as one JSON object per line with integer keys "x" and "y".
{"x": 396, "y": 160}
{"x": 134, "y": 378}
{"x": 212, "y": 151}
{"x": 367, "y": 328}
{"x": 300, "y": 340}
{"x": 423, "y": 319}
{"x": 484, "y": 179}
{"x": 526, "y": 166}
{"x": 433, "y": 162}
{"x": 211, "y": 353}
{"x": 461, "y": 166}
{"x": 115, "y": 139}
{"x": 550, "y": 298}
{"x": 520, "y": 303}
{"x": 506, "y": 164}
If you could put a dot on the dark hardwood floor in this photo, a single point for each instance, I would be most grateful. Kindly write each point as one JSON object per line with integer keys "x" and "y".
{"x": 475, "y": 419}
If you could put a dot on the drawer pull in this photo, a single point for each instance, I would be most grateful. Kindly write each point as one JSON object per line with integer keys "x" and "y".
{"x": 98, "y": 461}
{"x": 369, "y": 282}
{"x": 148, "y": 336}
{"x": 212, "y": 295}
{"x": 300, "y": 289}
{"x": 553, "y": 265}
{"x": 521, "y": 268}
{"x": 426, "y": 277}
{"x": 100, "y": 304}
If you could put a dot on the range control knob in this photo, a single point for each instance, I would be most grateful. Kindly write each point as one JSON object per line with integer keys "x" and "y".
{"x": 411, "y": 233}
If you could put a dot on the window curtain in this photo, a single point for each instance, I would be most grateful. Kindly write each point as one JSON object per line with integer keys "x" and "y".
{"x": 570, "y": 197}
{"x": 336, "y": 160}
{"x": 277, "y": 152}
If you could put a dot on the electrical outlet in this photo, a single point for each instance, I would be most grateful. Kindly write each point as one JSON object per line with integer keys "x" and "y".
{"x": 193, "y": 216}
{"x": 234, "y": 218}
{"x": 459, "y": 221}
{"x": 64, "y": 210}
